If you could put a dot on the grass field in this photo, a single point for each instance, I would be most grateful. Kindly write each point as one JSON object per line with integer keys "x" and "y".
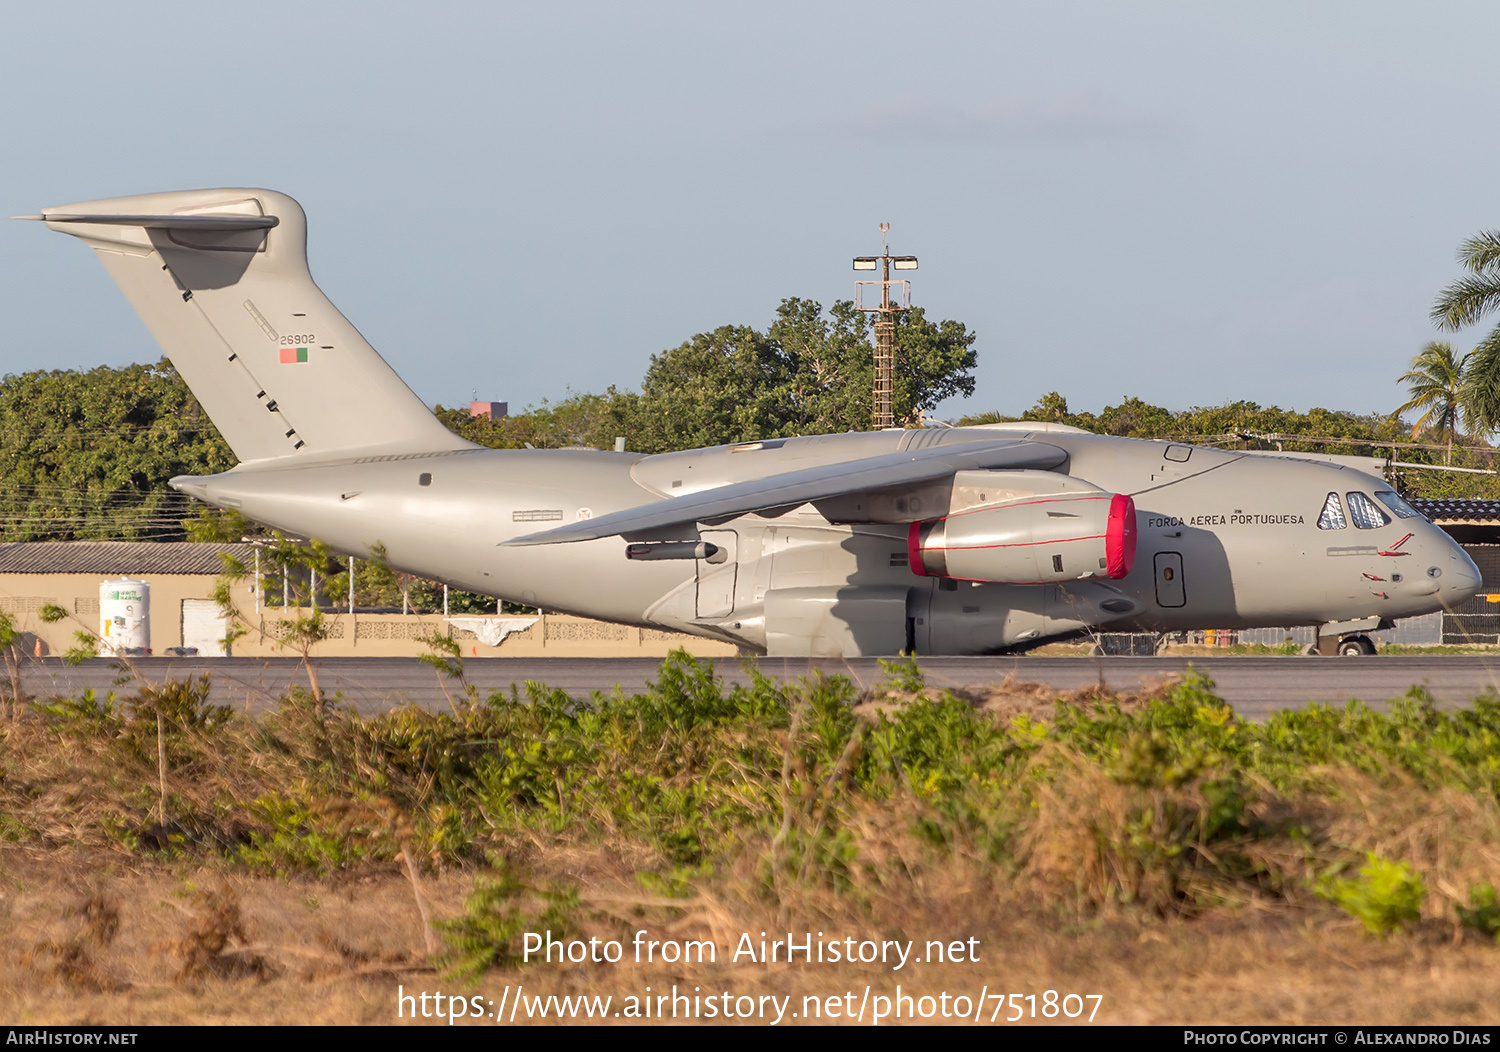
{"x": 1126, "y": 858}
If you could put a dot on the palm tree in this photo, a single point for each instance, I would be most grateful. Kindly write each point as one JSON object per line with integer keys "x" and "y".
{"x": 1440, "y": 388}
{"x": 1465, "y": 302}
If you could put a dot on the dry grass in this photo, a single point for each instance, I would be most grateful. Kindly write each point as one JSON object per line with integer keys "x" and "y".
{"x": 1063, "y": 650}
{"x": 1451, "y": 837}
{"x": 338, "y": 950}
{"x": 1011, "y": 697}
{"x": 1097, "y": 843}
{"x": 1125, "y": 846}
{"x": 196, "y": 945}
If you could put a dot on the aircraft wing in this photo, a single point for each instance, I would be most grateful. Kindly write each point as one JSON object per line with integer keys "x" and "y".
{"x": 792, "y": 488}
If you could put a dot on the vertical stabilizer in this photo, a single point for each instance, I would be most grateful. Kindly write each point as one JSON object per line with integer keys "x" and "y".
{"x": 220, "y": 278}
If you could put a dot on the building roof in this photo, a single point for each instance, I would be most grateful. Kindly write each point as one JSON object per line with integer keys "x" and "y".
{"x": 119, "y": 558}
{"x": 1452, "y": 511}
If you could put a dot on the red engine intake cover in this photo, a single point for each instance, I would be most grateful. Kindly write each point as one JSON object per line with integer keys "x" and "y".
{"x": 1119, "y": 537}
{"x": 1054, "y": 537}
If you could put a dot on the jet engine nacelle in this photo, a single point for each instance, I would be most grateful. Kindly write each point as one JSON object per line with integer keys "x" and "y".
{"x": 1040, "y": 540}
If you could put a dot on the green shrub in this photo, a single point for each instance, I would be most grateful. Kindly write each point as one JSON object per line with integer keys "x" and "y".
{"x": 1386, "y": 897}
{"x": 1483, "y": 912}
{"x": 497, "y": 913}
{"x": 294, "y": 835}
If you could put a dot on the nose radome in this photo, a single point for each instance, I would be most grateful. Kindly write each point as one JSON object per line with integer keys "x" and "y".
{"x": 1452, "y": 572}
{"x": 1465, "y": 578}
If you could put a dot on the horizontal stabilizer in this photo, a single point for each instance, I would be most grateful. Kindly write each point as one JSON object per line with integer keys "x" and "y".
{"x": 199, "y": 222}
{"x": 792, "y": 488}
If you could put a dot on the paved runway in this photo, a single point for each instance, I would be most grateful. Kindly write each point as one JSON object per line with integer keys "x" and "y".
{"x": 1255, "y": 686}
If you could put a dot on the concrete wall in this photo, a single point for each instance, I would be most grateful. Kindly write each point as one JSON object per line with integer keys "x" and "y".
{"x": 553, "y": 635}
{"x": 23, "y": 595}
{"x": 373, "y": 635}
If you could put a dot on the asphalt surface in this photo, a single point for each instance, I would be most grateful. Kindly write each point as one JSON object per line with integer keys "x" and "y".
{"x": 1255, "y": 686}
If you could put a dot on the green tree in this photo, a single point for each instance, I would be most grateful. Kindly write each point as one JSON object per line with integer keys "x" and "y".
{"x": 733, "y": 384}
{"x": 219, "y": 525}
{"x": 1465, "y": 302}
{"x": 578, "y": 420}
{"x": 831, "y": 365}
{"x": 88, "y": 455}
{"x": 294, "y": 564}
{"x": 1051, "y": 407}
{"x": 809, "y": 373}
{"x": 1440, "y": 387}
{"x": 1136, "y": 417}
{"x": 1243, "y": 425}
{"x": 934, "y": 362}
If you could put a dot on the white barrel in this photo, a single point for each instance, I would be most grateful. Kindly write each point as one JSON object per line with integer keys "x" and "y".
{"x": 124, "y": 617}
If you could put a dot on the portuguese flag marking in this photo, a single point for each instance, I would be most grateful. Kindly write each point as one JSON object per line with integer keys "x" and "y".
{"x": 293, "y": 355}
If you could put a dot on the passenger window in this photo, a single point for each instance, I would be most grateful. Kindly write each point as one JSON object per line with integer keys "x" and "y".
{"x": 1365, "y": 512}
{"x": 1333, "y": 514}
{"x": 1402, "y": 509}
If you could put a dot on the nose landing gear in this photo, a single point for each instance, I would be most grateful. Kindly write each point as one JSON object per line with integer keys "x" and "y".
{"x": 1348, "y": 638}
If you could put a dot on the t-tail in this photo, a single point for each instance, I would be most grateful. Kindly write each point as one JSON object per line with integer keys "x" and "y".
{"x": 220, "y": 278}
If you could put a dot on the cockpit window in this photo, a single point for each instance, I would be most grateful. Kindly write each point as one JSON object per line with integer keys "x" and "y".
{"x": 1333, "y": 514}
{"x": 1402, "y": 509}
{"x": 1365, "y": 512}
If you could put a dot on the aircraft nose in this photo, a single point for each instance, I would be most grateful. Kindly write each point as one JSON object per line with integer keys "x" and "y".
{"x": 1458, "y": 577}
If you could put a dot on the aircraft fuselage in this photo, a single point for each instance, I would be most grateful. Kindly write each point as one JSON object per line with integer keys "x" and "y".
{"x": 1223, "y": 539}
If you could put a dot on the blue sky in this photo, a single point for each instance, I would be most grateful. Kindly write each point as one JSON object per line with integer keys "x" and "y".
{"x": 1191, "y": 203}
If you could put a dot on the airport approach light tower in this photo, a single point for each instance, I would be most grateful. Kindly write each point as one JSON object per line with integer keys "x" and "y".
{"x": 885, "y": 322}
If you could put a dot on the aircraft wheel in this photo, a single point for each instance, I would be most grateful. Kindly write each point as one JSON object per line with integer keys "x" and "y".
{"x": 1356, "y": 646}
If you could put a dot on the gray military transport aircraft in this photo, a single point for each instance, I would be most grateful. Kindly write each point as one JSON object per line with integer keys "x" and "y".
{"x": 960, "y": 541}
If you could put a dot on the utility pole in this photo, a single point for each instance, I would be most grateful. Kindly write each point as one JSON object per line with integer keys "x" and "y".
{"x": 883, "y": 413}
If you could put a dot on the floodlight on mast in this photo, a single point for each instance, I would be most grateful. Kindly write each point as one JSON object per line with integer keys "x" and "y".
{"x": 883, "y": 414}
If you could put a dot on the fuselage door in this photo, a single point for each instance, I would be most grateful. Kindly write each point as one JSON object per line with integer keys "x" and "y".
{"x": 1169, "y": 587}
{"x": 716, "y": 575}
{"x": 919, "y": 616}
